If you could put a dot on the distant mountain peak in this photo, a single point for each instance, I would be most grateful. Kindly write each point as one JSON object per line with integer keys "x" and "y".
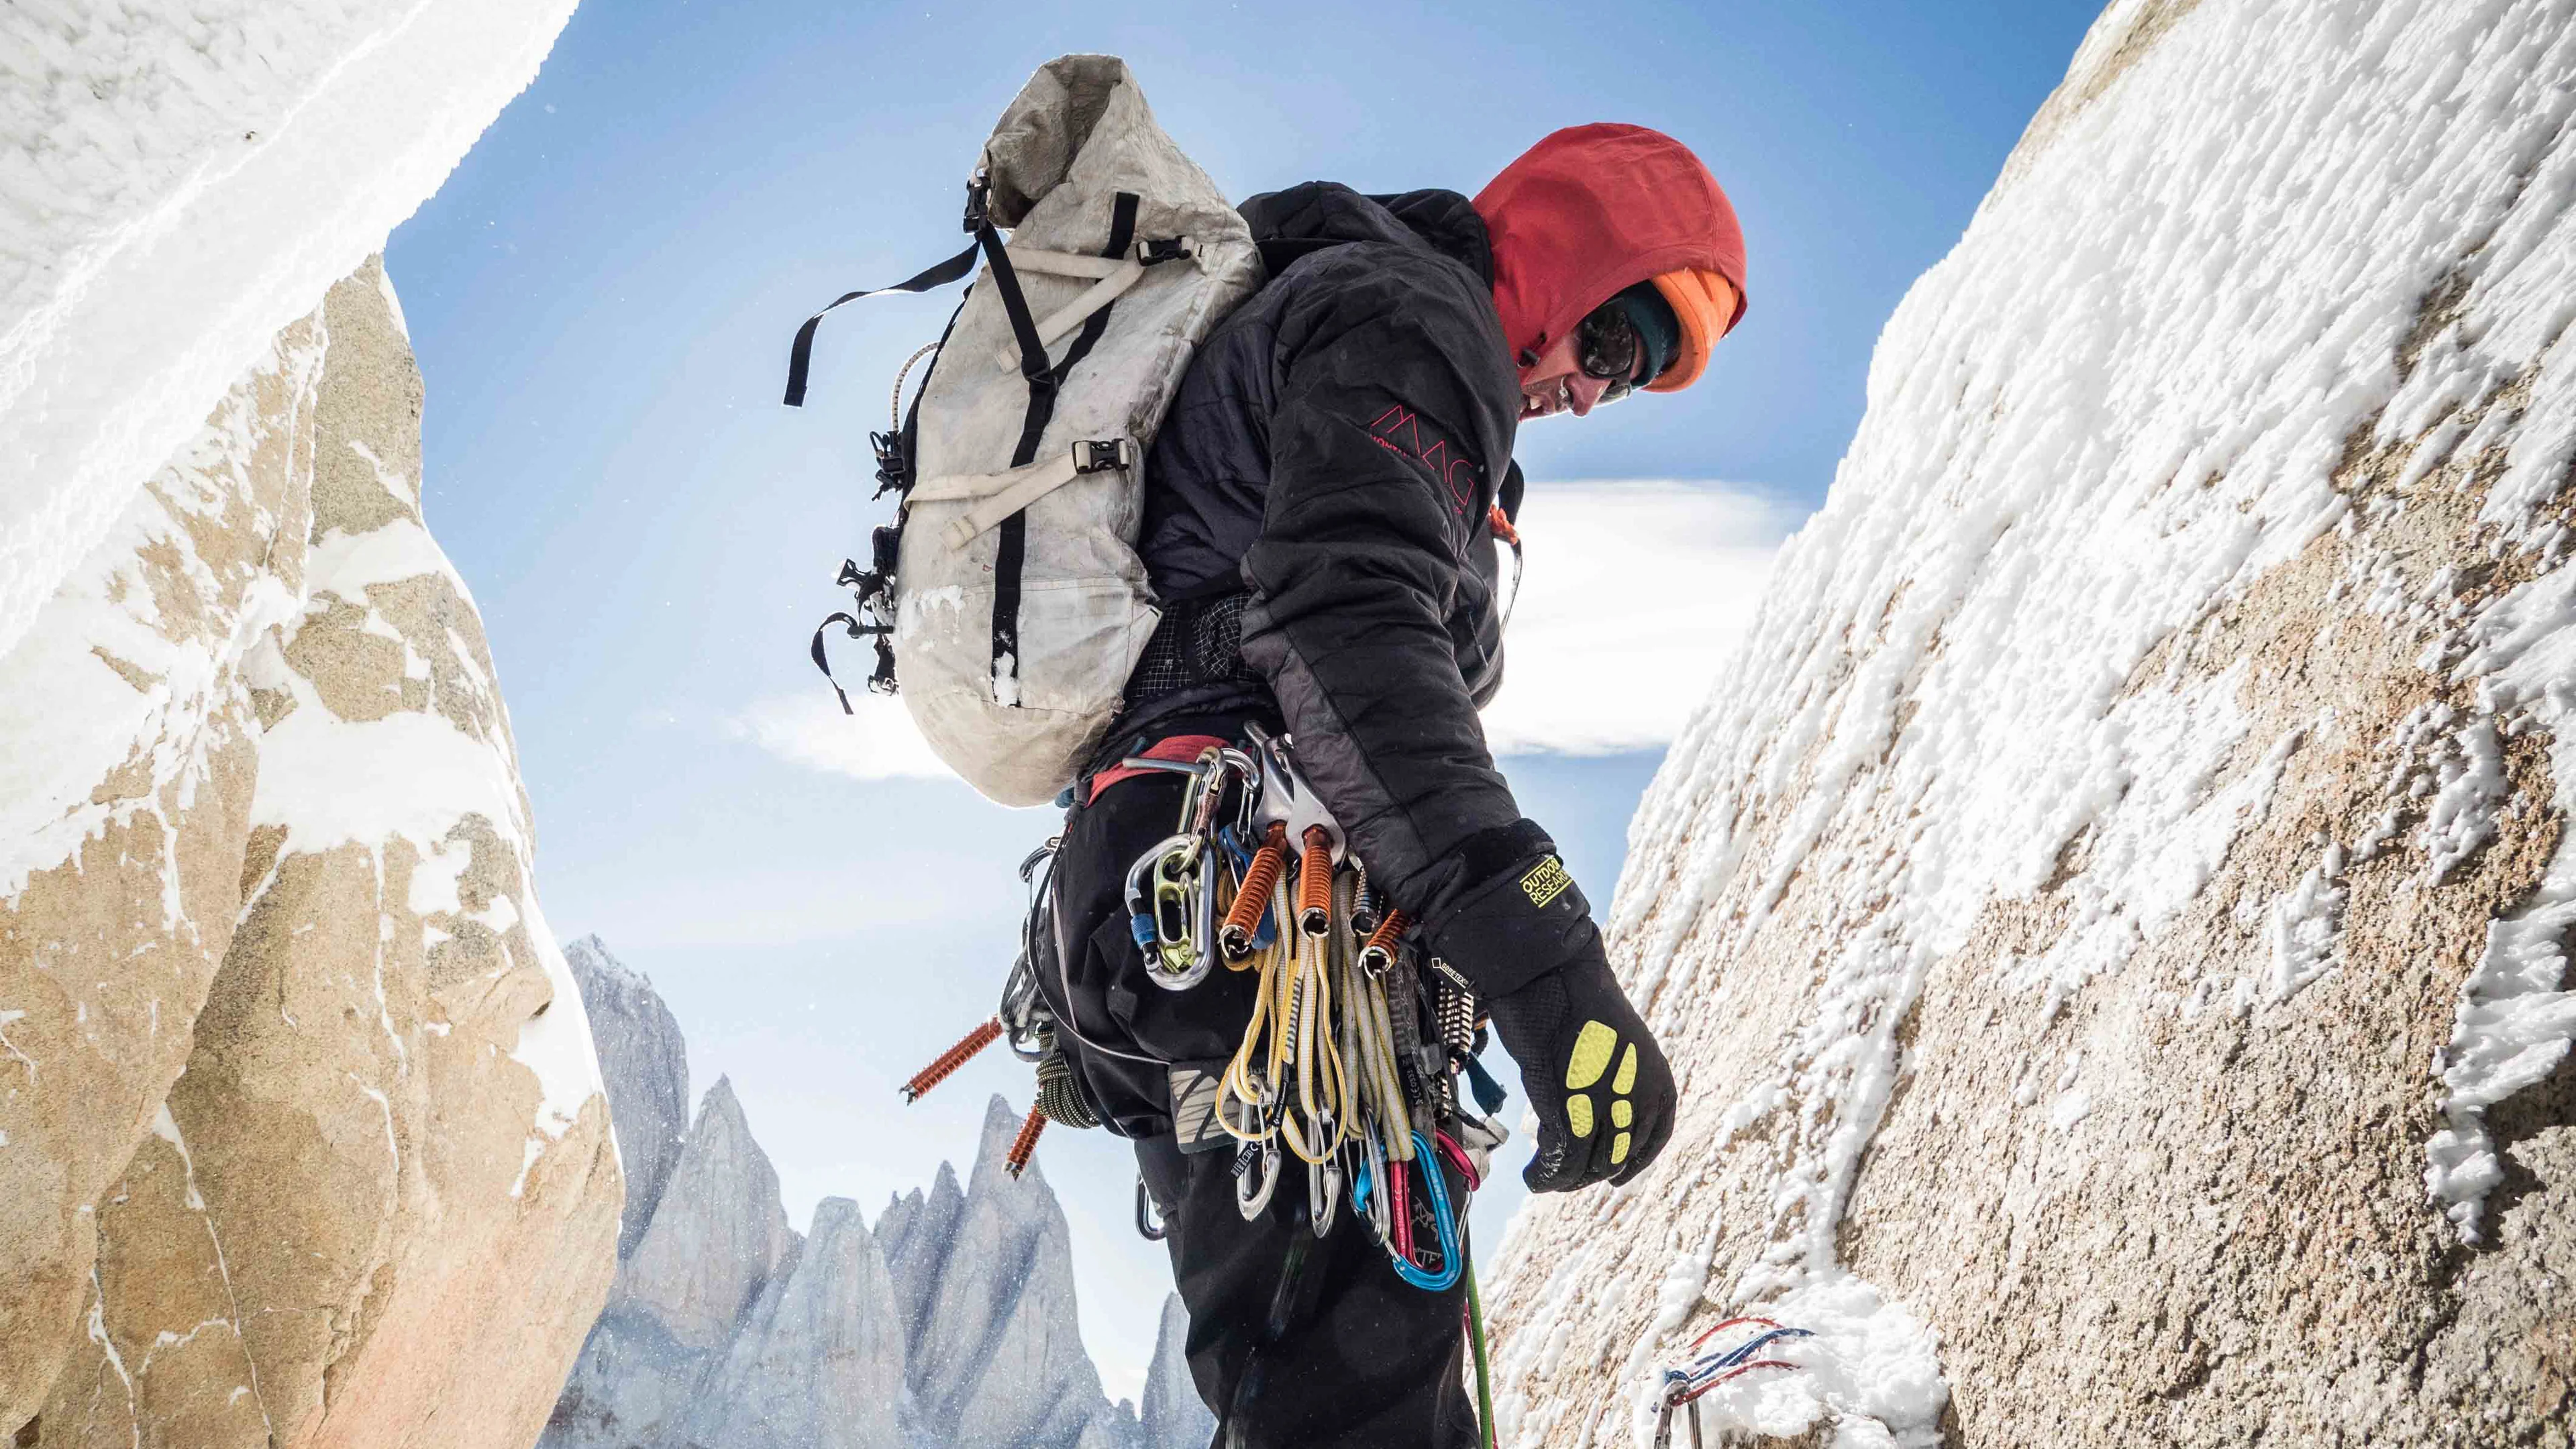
{"x": 952, "y": 1321}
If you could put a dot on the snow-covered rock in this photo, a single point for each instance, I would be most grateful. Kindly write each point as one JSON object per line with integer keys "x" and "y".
{"x": 644, "y": 1062}
{"x": 1173, "y": 1416}
{"x": 951, "y": 1324}
{"x": 185, "y": 180}
{"x": 260, "y": 820}
{"x": 2110, "y": 916}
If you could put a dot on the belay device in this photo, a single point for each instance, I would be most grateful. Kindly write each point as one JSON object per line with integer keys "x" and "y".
{"x": 1007, "y": 596}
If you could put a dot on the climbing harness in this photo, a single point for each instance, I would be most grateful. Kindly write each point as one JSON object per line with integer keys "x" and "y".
{"x": 1710, "y": 1367}
{"x": 1347, "y": 1067}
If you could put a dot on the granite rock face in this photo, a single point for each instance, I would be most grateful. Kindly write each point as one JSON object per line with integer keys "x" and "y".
{"x": 2111, "y": 919}
{"x": 304, "y": 1142}
{"x": 718, "y": 1241}
{"x": 645, "y": 1063}
{"x": 1173, "y": 1416}
{"x": 952, "y": 1323}
{"x": 819, "y": 1360}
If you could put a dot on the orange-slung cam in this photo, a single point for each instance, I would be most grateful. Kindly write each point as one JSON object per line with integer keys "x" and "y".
{"x": 1315, "y": 883}
{"x": 1025, "y": 1144}
{"x": 1379, "y": 953}
{"x": 951, "y": 1059}
{"x": 1244, "y": 921}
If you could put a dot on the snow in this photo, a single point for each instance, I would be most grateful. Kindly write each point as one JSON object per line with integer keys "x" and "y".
{"x": 71, "y": 714}
{"x": 2120, "y": 400}
{"x": 179, "y": 182}
{"x": 417, "y": 776}
{"x": 1872, "y": 1368}
{"x": 2305, "y": 923}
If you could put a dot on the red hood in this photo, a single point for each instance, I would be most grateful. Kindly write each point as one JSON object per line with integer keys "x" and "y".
{"x": 1592, "y": 210}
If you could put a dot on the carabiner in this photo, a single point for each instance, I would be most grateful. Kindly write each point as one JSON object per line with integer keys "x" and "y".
{"x": 1443, "y": 1222}
{"x": 1323, "y": 1193}
{"x": 1256, "y": 1173}
{"x": 1184, "y": 916}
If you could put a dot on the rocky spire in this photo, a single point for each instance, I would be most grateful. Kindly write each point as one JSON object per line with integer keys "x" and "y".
{"x": 1000, "y": 1358}
{"x": 716, "y": 1239}
{"x": 1173, "y": 1415}
{"x": 952, "y": 1323}
{"x": 698, "y": 1266}
{"x": 916, "y": 1237}
{"x": 819, "y": 1363}
{"x": 645, "y": 1062}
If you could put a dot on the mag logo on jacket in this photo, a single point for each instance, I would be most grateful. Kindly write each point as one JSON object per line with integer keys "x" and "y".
{"x": 1400, "y": 430}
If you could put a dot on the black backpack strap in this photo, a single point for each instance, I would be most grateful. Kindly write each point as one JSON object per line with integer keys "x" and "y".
{"x": 800, "y": 356}
{"x": 1010, "y": 553}
{"x": 823, "y": 662}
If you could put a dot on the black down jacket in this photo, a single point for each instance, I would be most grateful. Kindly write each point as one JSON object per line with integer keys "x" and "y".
{"x": 1323, "y": 482}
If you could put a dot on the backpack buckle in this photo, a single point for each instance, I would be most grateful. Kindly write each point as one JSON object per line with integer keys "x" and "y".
{"x": 894, "y": 470}
{"x": 1163, "y": 249}
{"x": 979, "y": 189}
{"x": 1104, "y": 455}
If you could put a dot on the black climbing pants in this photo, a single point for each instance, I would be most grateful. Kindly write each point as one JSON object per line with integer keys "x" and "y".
{"x": 1294, "y": 1340}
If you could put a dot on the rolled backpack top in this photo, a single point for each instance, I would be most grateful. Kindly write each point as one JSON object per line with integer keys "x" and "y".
{"x": 1008, "y": 598}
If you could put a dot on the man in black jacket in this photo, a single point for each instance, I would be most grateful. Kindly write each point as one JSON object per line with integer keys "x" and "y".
{"x": 1321, "y": 513}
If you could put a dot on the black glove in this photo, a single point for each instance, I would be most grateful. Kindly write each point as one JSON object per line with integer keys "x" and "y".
{"x": 1600, "y": 1086}
{"x": 1523, "y": 936}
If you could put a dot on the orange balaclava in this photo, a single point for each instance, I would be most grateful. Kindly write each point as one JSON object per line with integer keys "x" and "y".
{"x": 1593, "y": 210}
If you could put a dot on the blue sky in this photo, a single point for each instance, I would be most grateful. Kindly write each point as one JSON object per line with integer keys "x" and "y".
{"x": 601, "y": 298}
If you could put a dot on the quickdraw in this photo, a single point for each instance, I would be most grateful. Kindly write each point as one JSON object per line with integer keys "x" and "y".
{"x": 1709, "y": 1368}
{"x": 1347, "y": 1065}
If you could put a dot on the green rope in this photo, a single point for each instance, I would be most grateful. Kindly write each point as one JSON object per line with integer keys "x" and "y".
{"x": 1484, "y": 1374}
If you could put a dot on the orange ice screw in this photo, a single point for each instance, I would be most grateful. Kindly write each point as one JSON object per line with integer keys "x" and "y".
{"x": 1254, "y": 898}
{"x": 1379, "y": 953}
{"x": 1025, "y": 1144}
{"x": 1315, "y": 883}
{"x": 951, "y": 1059}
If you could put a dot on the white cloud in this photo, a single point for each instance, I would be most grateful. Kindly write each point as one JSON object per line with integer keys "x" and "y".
{"x": 1635, "y": 594}
{"x": 876, "y": 742}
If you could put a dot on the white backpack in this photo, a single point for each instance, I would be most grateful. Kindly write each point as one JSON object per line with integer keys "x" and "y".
{"x": 1008, "y": 598}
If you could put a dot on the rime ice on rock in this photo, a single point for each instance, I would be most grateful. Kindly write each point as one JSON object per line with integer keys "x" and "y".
{"x": 271, "y": 958}
{"x": 2174, "y": 680}
{"x": 187, "y": 180}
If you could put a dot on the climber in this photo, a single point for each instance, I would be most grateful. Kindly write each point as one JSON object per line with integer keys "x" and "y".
{"x": 1319, "y": 517}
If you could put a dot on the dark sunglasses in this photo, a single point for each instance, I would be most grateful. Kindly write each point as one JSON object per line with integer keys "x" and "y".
{"x": 1606, "y": 346}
